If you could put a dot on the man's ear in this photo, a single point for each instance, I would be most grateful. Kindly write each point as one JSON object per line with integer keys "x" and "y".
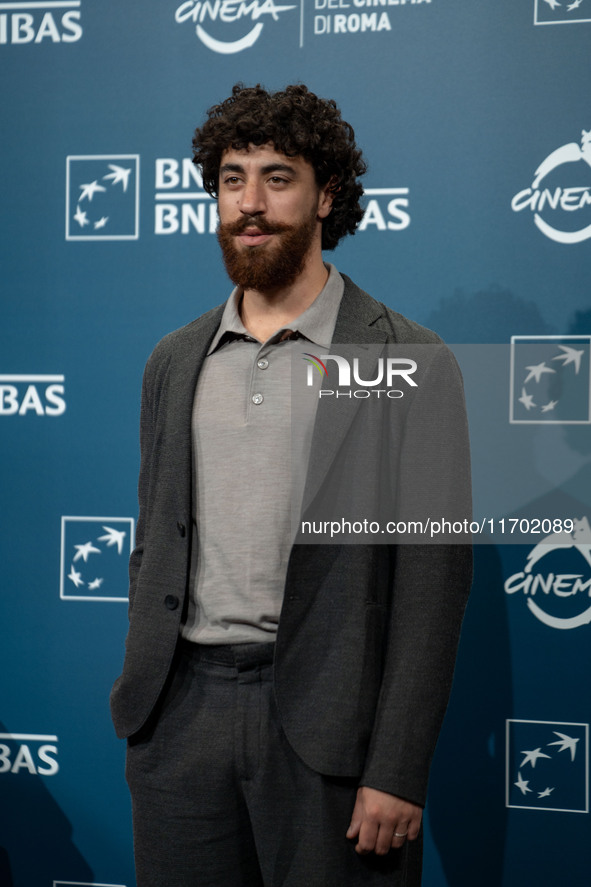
{"x": 326, "y": 197}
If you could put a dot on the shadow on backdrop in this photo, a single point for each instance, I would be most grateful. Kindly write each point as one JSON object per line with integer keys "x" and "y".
{"x": 535, "y": 664}
{"x": 35, "y": 835}
{"x": 489, "y": 316}
{"x": 466, "y": 809}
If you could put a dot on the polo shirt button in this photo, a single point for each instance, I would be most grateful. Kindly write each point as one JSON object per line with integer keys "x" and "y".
{"x": 181, "y": 528}
{"x": 171, "y": 601}
{"x": 257, "y": 399}
{"x": 263, "y": 363}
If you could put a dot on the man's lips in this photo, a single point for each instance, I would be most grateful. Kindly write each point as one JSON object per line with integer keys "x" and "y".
{"x": 253, "y": 237}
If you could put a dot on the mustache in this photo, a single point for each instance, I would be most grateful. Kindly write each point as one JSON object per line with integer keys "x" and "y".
{"x": 262, "y": 225}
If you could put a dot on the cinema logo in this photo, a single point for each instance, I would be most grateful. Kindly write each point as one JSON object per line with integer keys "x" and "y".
{"x": 556, "y": 578}
{"x": 29, "y": 752}
{"x": 55, "y": 21}
{"x": 387, "y": 370}
{"x": 229, "y": 26}
{"x": 561, "y": 210}
{"x": 43, "y": 395}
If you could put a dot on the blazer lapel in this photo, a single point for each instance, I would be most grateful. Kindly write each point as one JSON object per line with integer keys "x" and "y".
{"x": 186, "y": 363}
{"x": 356, "y": 315}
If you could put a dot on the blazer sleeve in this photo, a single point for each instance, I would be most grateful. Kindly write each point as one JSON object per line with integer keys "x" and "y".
{"x": 429, "y": 588}
{"x": 153, "y": 379}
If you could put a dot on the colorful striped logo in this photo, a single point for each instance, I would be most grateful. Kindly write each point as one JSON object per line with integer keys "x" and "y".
{"x": 315, "y": 362}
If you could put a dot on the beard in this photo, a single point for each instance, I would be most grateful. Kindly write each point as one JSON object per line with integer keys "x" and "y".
{"x": 266, "y": 267}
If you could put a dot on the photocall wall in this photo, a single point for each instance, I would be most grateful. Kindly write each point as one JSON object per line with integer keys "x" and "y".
{"x": 476, "y": 123}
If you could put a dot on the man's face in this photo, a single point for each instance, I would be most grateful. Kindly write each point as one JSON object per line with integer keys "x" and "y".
{"x": 271, "y": 212}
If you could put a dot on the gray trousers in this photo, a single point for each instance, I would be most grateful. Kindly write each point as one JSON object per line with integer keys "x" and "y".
{"x": 220, "y": 799}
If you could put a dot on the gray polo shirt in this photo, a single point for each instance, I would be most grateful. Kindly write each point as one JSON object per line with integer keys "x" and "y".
{"x": 242, "y": 451}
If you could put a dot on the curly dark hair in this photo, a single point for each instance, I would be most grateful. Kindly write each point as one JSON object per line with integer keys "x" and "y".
{"x": 298, "y": 123}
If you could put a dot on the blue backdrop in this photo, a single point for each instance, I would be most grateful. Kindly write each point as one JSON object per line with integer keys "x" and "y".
{"x": 476, "y": 122}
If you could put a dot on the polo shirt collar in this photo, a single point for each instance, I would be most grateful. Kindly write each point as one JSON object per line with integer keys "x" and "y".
{"x": 316, "y": 323}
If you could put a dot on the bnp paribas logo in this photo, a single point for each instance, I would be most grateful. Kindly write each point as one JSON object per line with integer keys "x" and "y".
{"x": 94, "y": 556}
{"x": 550, "y": 380}
{"x": 41, "y": 22}
{"x": 102, "y": 197}
{"x": 547, "y": 765}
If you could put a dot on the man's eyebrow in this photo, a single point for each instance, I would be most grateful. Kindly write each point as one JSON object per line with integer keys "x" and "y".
{"x": 265, "y": 170}
{"x": 279, "y": 167}
{"x": 231, "y": 167}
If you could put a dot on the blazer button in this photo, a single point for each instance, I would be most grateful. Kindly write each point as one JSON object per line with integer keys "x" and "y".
{"x": 171, "y": 601}
{"x": 181, "y": 528}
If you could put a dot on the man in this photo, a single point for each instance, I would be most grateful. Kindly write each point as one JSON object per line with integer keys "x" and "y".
{"x": 281, "y": 701}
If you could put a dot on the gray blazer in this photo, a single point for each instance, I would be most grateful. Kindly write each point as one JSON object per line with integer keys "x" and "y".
{"x": 367, "y": 636}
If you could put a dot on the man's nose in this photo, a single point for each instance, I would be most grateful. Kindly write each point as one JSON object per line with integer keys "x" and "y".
{"x": 252, "y": 199}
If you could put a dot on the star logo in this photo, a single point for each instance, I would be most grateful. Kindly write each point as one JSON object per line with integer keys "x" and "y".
{"x": 566, "y": 743}
{"x": 102, "y": 197}
{"x": 522, "y": 784}
{"x": 539, "y": 775}
{"x": 82, "y": 551}
{"x": 94, "y": 556}
{"x": 118, "y": 174}
{"x": 550, "y": 380}
{"x": 75, "y": 577}
{"x": 113, "y": 537}
{"x": 81, "y": 217}
{"x": 88, "y": 191}
{"x": 561, "y": 12}
{"x": 536, "y": 372}
{"x": 526, "y": 399}
{"x": 569, "y": 355}
{"x": 532, "y": 756}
